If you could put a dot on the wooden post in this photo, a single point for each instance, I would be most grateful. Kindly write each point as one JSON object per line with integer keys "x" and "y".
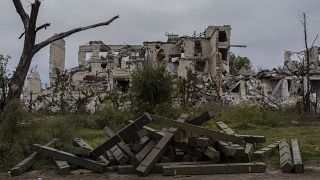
{"x": 71, "y": 158}
{"x": 124, "y": 134}
{"x": 297, "y": 160}
{"x": 285, "y": 156}
{"x": 198, "y": 130}
{"x": 266, "y": 151}
{"x": 204, "y": 169}
{"x": 24, "y": 165}
{"x": 147, "y": 164}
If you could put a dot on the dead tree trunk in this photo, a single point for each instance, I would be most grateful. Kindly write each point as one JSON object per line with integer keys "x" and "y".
{"x": 30, "y": 47}
{"x": 307, "y": 101}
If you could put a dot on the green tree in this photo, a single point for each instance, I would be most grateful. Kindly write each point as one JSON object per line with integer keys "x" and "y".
{"x": 187, "y": 89}
{"x": 238, "y": 62}
{"x": 151, "y": 86}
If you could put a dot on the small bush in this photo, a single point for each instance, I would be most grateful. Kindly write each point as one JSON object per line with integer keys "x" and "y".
{"x": 150, "y": 86}
{"x": 108, "y": 116}
{"x": 15, "y": 134}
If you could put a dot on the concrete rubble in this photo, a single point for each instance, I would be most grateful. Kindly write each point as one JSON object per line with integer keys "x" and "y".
{"x": 199, "y": 150}
{"x": 104, "y": 69}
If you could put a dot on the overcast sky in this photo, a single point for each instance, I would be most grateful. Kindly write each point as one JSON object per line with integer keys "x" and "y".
{"x": 267, "y": 27}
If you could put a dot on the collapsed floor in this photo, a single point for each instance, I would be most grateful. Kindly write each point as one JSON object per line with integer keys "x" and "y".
{"x": 183, "y": 149}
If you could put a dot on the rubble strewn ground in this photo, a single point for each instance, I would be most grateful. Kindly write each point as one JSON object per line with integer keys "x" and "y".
{"x": 311, "y": 173}
{"x": 183, "y": 149}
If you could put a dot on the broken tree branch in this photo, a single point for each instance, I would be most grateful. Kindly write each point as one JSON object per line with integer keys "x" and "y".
{"x": 37, "y": 29}
{"x": 43, "y": 26}
{"x": 23, "y": 15}
{"x": 68, "y": 33}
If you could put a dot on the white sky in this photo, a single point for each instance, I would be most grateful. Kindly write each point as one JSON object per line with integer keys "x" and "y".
{"x": 267, "y": 27}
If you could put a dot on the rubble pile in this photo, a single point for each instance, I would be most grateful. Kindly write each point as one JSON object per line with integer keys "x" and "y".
{"x": 185, "y": 148}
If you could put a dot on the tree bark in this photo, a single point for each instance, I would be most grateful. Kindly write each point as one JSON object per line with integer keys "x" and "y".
{"x": 30, "y": 48}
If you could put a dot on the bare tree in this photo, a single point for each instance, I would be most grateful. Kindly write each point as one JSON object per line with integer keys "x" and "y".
{"x": 30, "y": 48}
{"x": 306, "y": 95}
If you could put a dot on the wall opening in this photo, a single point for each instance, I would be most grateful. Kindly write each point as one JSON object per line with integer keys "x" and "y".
{"x": 224, "y": 54}
{"x": 197, "y": 47}
{"x": 200, "y": 65}
{"x": 223, "y": 36}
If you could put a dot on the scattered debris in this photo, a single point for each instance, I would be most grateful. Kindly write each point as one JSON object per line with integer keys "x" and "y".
{"x": 139, "y": 149}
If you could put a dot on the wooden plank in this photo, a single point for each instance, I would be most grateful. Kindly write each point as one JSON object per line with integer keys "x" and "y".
{"x": 285, "y": 156}
{"x": 188, "y": 149}
{"x": 247, "y": 138}
{"x": 253, "y": 139}
{"x": 205, "y": 169}
{"x": 230, "y": 150}
{"x": 80, "y": 151}
{"x": 145, "y": 150}
{"x": 180, "y": 134}
{"x": 123, "y": 135}
{"x": 63, "y": 167}
{"x": 112, "y": 160}
{"x": 70, "y": 158}
{"x": 296, "y": 153}
{"x": 153, "y": 133}
{"x": 147, "y": 164}
{"x": 137, "y": 146}
{"x": 204, "y": 117}
{"x": 121, "y": 157}
{"x": 123, "y": 146}
{"x": 212, "y": 154}
{"x": 25, "y": 164}
{"x": 198, "y": 130}
{"x": 157, "y": 168}
{"x": 249, "y": 150}
{"x": 266, "y": 151}
{"x": 223, "y": 127}
{"x": 78, "y": 142}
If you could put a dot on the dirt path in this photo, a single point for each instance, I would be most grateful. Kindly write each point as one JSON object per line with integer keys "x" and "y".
{"x": 311, "y": 172}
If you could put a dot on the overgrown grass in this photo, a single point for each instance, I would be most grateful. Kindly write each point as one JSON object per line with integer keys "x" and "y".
{"x": 20, "y": 129}
{"x": 274, "y": 124}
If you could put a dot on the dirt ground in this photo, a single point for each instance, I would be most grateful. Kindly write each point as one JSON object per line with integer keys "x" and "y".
{"x": 311, "y": 172}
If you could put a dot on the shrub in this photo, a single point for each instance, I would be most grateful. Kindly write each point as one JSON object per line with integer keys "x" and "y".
{"x": 15, "y": 134}
{"x": 150, "y": 86}
{"x": 108, "y": 116}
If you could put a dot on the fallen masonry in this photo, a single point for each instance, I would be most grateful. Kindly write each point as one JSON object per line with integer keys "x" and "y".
{"x": 182, "y": 147}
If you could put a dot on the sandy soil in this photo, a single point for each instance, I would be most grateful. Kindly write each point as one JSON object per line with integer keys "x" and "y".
{"x": 311, "y": 172}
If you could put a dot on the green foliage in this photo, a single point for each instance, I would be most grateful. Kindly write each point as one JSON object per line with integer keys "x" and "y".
{"x": 151, "y": 86}
{"x": 109, "y": 116}
{"x": 19, "y": 129}
{"x": 246, "y": 116}
{"x": 117, "y": 99}
{"x": 187, "y": 89}
{"x": 238, "y": 62}
{"x": 15, "y": 133}
{"x": 4, "y": 80}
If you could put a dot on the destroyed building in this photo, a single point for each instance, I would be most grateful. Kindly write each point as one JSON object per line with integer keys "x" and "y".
{"x": 103, "y": 68}
{"x": 205, "y": 53}
{"x": 279, "y": 86}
